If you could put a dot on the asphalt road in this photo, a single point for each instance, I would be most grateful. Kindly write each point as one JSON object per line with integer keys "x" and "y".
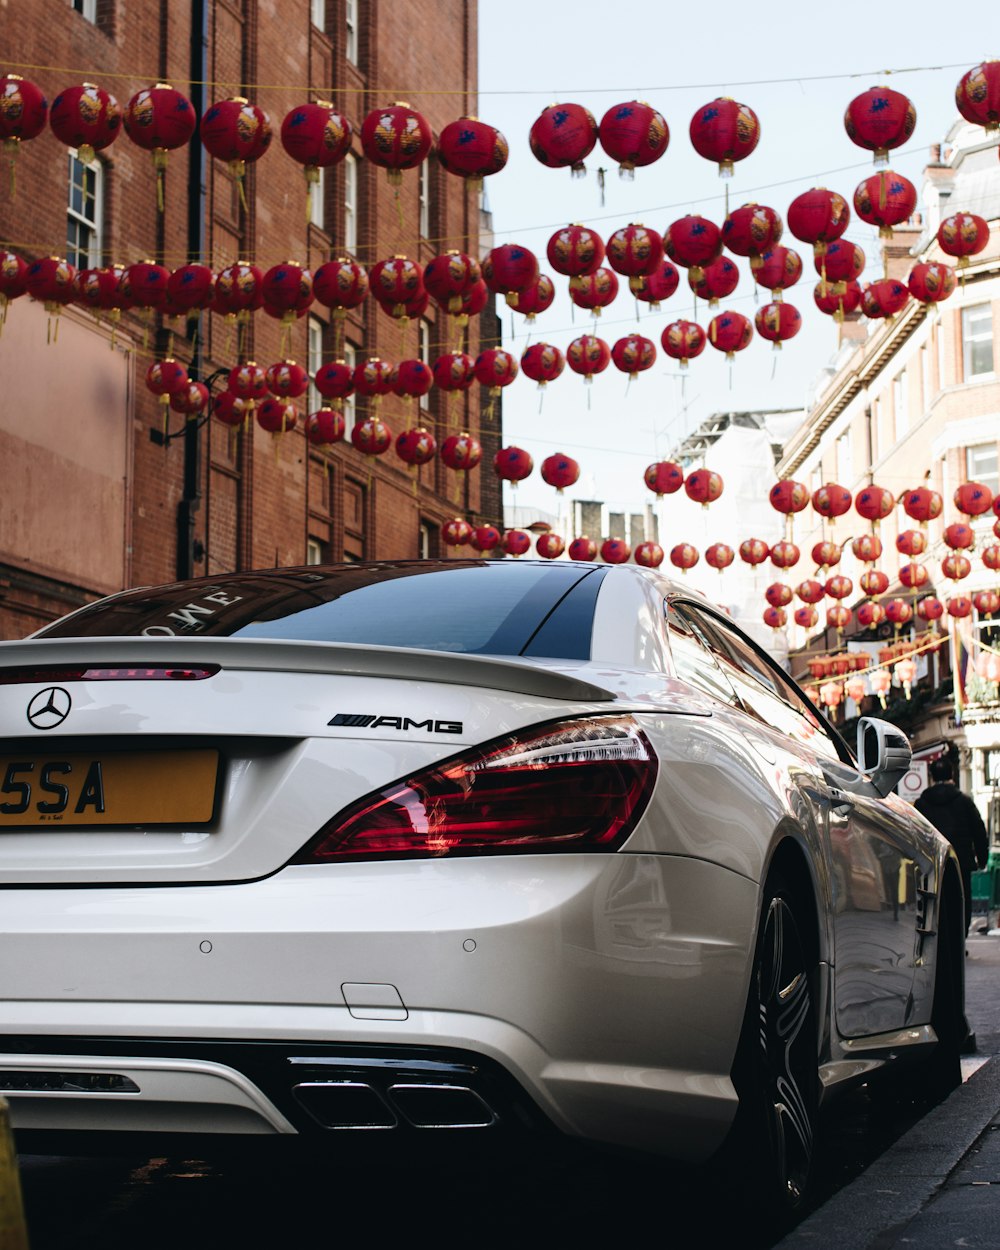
{"x": 114, "y": 1203}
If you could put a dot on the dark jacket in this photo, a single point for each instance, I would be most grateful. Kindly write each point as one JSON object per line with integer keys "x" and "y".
{"x": 956, "y": 816}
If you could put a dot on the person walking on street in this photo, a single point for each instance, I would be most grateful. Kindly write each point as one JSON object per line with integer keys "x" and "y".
{"x": 956, "y": 816}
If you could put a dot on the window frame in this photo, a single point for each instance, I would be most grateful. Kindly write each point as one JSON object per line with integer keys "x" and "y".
{"x": 973, "y": 474}
{"x": 350, "y": 403}
{"x": 317, "y": 14}
{"x": 315, "y": 330}
{"x": 970, "y": 340}
{"x": 351, "y": 31}
{"x": 317, "y": 200}
{"x": 86, "y": 8}
{"x": 74, "y": 217}
{"x": 350, "y": 203}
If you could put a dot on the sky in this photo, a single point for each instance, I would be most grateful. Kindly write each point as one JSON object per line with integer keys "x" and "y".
{"x": 798, "y": 74}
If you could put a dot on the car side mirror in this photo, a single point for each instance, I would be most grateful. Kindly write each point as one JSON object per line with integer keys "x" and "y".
{"x": 884, "y": 753}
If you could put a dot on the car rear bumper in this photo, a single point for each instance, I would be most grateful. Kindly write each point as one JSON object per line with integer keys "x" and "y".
{"x": 600, "y": 996}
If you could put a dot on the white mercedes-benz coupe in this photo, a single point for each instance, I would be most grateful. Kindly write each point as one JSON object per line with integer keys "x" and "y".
{"x": 470, "y": 850}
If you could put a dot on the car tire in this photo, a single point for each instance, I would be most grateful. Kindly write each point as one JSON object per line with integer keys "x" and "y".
{"x": 773, "y": 1143}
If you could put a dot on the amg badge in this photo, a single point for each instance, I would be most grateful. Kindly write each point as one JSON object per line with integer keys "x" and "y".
{"x": 351, "y": 720}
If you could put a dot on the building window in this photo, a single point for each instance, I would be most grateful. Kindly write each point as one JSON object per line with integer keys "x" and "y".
{"x": 424, "y": 200}
{"x": 317, "y": 200}
{"x": 977, "y": 340}
{"x": 317, "y": 551}
{"x": 350, "y": 203}
{"x": 351, "y": 30}
{"x": 981, "y": 465}
{"x": 317, "y": 13}
{"x": 86, "y": 9}
{"x": 939, "y": 341}
{"x": 925, "y": 379}
{"x": 845, "y": 464}
{"x": 350, "y": 404}
{"x": 314, "y": 358}
{"x": 901, "y": 403}
{"x": 424, "y": 349}
{"x": 84, "y": 212}
{"x": 424, "y": 540}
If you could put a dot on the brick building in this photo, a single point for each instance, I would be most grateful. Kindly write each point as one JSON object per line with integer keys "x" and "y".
{"x": 96, "y": 499}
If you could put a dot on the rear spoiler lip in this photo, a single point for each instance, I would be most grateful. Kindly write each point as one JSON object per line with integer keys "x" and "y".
{"x": 342, "y": 658}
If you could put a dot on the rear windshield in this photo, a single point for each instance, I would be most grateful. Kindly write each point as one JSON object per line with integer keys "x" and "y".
{"x": 495, "y": 607}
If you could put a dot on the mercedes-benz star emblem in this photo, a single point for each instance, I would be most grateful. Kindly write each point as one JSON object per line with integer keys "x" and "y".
{"x": 49, "y": 707}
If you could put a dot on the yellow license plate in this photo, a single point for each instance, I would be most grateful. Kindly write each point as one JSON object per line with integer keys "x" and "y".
{"x": 108, "y": 788}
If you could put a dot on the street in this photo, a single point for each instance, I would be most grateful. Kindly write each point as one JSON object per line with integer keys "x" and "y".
{"x": 123, "y": 1202}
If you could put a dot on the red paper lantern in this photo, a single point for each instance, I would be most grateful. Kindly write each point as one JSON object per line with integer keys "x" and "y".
{"x": 583, "y": 548}
{"x": 461, "y": 452}
{"x": 237, "y": 132}
{"x": 495, "y": 368}
{"x": 396, "y": 137}
{"x": 397, "y": 282}
{"x": 867, "y": 548}
{"x": 752, "y": 230}
{"x": 842, "y": 262}
{"x": 664, "y": 477}
{"x": 683, "y": 340}
{"x": 838, "y": 586}
{"x": 931, "y": 282}
{"x": 373, "y": 378}
{"x": 51, "y": 282}
{"x": 810, "y": 590}
{"x": 880, "y": 119}
{"x": 512, "y": 464}
{"x": 316, "y": 136}
{"x": 334, "y": 380}
{"x": 633, "y": 134}
{"x": 238, "y": 289}
{"x": 837, "y": 303}
{"x": 560, "y": 471}
{"x": 93, "y": 288}
{"x": 913, "y": 576}
{"x": 653, "y": 288}
{"x": 870, "y": 615}
{"x": 550, "y": 546}
{"x": 778, "y": 269}
{"x": 693, "y": 242}
{"x": 911, "y": 542}
{"x": 230, "y": 409}
{"x": 838, "y": 617}
{"x": 806, "y": 618}
{"x": 13, "y": 281}
{"x": 456, "y": 533}
{"x": 146, "y": 284}
{"x": 718, "y": 279}
{"x": 633, "y": 354}
{"x": 778, "y": 322}
{"x": 973, "y": 498}
{"x": 956, "y": 567}
{"x": 85, "y": 117}
{"x": 413, "y": 379}
{"x": 963, "y": 235}
{"x": 248, "y": 381}
{"x": 778, "y": 595}
{"x": 189, "y": 288}
{"x": 986, "y": 602}
{"x": 372, "y": 437}
{"x": 730, "y": 332}
{"x": 991, "y": 557}
{"x": 959, "y": 606}
{"x": 454, "y": 371}
{"x": 542, "y": 363}
{"x": 884, "y": 298}
{"x": 340, "y": 284}
{"x": 634, "y": 251}
{"x": 288, "y": 289}
{"x": 977, "y": 95}
{"x": 885, "y": 199}
{"x": 874, "y": 503}
{"x": 165, "y": 378}
{"x": 818, "y": 217}
{"x": 191, "y": 401}
{"x": 826, "y": 554}
{"x": 787, "y": 496}
{"x": 874, "y": 582}
{"x": 784, "y": 554}
{"x": 485, "y": 537}
{"x": 899, "y": 612}
{"x": 509, "y": 269}
{"x": 277, "y": 416}
{"x": 535, "y": 299}
{"x": 416, "y": 447}
{"x": 754, "y": 551}
{"x": 473, "y": 302}
{"x": 575, "y": 249}
{"x": 958, "y": 536}
{"x": 447, "y": 278}
{"x": 563, "y": 134}
{"x": 287, "y": 380}
{"x": 615, "y": 551}
{"x": 719, "y": 555}
{"x": 683, "y": 556}
{"x": 724, "y": 131}
{"x": 159, "y": 119}
{"x": 324, "y": 427}
{"x": 922, "y": 505}
{"x": 588, "y": 355}
{"x": 831, "y": 500}
{"x": 649, "y": 555}
{"x": 23, "y": 110}
{"x": 775, "y": 617}
{"x": 704, "y": 486}
{"x": 516, "y": 542}
{"x": 472, "y": 149}
{"x": 594, "y": 291}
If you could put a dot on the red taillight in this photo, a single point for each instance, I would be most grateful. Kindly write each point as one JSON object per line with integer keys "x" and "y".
{"x": 121, "y": 672}
{"x": 578, "y": 786}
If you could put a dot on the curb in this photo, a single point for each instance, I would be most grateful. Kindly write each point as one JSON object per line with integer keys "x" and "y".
{"x": 873, "y": 1209}
{"x": 13, "y": 1232}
